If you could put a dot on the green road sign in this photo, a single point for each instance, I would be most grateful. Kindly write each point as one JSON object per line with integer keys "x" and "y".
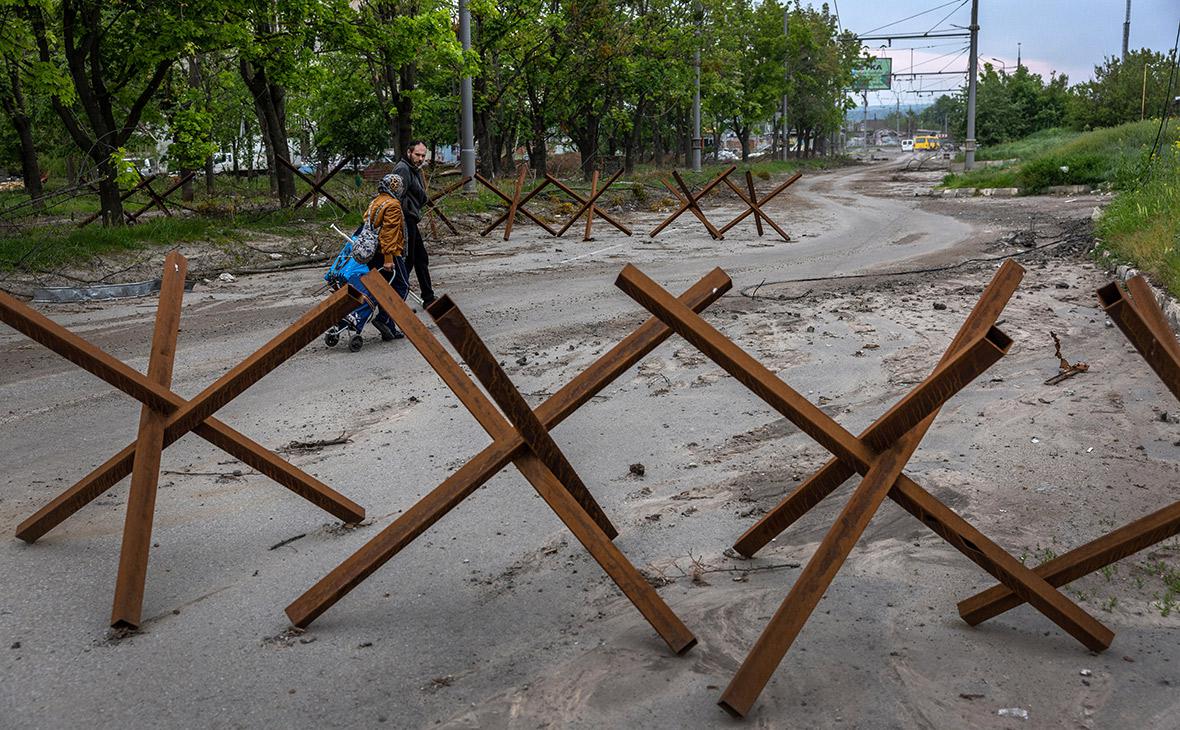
{"x": 874, "y": 75}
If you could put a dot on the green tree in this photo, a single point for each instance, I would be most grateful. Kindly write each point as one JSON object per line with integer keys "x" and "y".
{"x": 116, "y": 61}
{"x": 1122, "y": 91}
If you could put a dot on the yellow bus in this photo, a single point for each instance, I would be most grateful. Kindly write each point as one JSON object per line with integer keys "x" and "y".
{"x": 926, "y": 143}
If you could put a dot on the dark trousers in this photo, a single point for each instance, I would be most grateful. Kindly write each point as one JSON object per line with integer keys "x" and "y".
{"x": 400, "y": 283}
{"x": 418, "y": 261}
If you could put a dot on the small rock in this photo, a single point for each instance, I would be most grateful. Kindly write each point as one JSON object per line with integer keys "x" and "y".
{"x": 275, "y": 256}
{"x": 1086, "y": 673}
{"x": 227, "y": 277}
{"x": 939, "y": 306}
{"x": 16, "y": 645}
{"x": 522, "y": 360}
{"x": 1062, "y": 285}
{"x": 364, "y": 645}
{"x": 637, "y": 469}
{"x": 1017, "y": 712}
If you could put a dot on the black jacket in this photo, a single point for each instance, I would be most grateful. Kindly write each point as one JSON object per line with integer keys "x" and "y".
{"x": 415, "y": 196}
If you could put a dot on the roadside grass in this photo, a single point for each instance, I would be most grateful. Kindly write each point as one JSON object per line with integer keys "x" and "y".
{"x": 1142, "y": 224}
{"x": 1111, "y": 156}
{"x": 52, "y": 246}
{"x": 1023, "y": 149}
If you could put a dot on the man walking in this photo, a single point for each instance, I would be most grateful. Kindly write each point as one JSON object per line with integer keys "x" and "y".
{"x": 413, "y": 202}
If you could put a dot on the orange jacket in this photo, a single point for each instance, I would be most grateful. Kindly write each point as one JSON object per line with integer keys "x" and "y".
{"x": 391, "y": 233}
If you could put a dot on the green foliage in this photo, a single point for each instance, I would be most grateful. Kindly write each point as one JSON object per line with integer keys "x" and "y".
{"x": 126, "y": 173}
{"x": 1121, "y": 92}
{"x": 1142, "y": 225}
{"x": 1012, "y": 106}
{"x": 192, "y": 126}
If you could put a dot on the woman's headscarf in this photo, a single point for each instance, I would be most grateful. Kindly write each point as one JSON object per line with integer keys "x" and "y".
{"x": 391, "y": 184}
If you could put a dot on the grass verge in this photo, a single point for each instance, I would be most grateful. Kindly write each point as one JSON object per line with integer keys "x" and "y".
{"x": 1112, "y": 156}
{"x": 1142, "y": 224}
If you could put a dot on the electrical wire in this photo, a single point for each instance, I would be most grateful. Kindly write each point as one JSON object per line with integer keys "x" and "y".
{"x": 1167, "y": 96}
{"x": 916, "y": 15}
{"x": 947, "y": 16}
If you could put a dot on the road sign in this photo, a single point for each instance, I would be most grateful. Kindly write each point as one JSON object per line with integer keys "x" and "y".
{"x": 873, "y": 75}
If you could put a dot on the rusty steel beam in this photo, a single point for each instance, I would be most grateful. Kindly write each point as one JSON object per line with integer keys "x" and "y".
{"x": 1143, "y": 298}
{"x": 909, "y": 495}
{"x": 759, "y": 203}
{"x": 462, "y": 336}
{"x": 580, "y": 200}
{"x": 287, "y": 164}
{"x": 694, "y": 207}
{"x": 130, "y": 381}
{"x": 145, "y": 474}
{"x": 318, "y": 185}
{"x": 689, "y": 201}
{"x": 475, "y": 473}
{"x": 590, "y": 211}
{"x": 433, "y": 207}
{"x": 532, "y": 467}
{"x": 587, "y": 205}
{"x": 834, "y": 473}
{"x": 1068, "y": 567}
{"x": 1142, "y": 321}
{"x": 549, "y": 462}
{"x": 158, "y": 200}
{"x": 524, "y": 170}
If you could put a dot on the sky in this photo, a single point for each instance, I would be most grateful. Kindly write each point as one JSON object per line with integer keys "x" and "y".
{"x": 1067, "y": 36}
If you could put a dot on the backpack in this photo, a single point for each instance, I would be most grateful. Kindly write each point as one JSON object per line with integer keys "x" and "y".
{"x": 366, "y": 242}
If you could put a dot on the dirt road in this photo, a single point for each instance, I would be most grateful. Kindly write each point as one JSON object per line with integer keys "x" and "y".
{"x": 497, "y": 617}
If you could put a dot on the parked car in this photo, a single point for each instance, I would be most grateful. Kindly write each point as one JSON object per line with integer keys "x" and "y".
{"x": 907, "y": 145}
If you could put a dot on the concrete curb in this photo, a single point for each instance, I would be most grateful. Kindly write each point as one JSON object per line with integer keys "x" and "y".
{"x": 1170, "y": 306}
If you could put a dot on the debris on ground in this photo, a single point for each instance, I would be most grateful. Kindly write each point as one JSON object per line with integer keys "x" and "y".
{"x": 317, "y": 445}
{"x": 288, "y": 541}
{"x": 1066, "y": 370}
{"x": 637, "y": 469}
{"x": 227, "y": 277}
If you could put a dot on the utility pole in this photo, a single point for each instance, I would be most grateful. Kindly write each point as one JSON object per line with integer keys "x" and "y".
{"x": 786, "y": 75}
{"x": 466, "y": 117}
{"x": 1127, "y": 31}
{"x": 973, "y": 72}
{"x": 1018, "y": 44}
{"x": 696, "y": 99}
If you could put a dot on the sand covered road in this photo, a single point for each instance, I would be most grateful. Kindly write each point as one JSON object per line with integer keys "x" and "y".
{"x": 497, "y": 617}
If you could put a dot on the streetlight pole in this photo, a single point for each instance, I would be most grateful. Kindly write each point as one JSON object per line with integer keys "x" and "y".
{"x": 973, "y": 71}
{"x": 466, "y": 118}
{"x": 1127, "y": 31}
{"x": 1003, "y": 66}
{"x": 786, "y": 75}
{"x": 696, "y": 98}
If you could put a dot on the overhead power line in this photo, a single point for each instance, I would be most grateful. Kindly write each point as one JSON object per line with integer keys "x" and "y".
{"x": 915, "y": 15}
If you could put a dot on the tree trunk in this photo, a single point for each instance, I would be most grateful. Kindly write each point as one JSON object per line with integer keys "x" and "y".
{"x": 586, "y": 140}
{"x": 405, "y": 107}
{"x": 271, "y": 104}
{"x": 108, "y": 194}
{"x": 743, "y": 134}
{"x": 29, "y": 169}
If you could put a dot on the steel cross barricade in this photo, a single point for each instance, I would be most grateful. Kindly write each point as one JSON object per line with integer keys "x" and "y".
{"x": 689, "y": 201}
{"x": 588, "y": 204}
{"x": 515, "y": 204}
{"x": 166, "y": 417}
{"x": 510, "y": 444}
{"x": 879, "y": 458}
{"x": 1143, "y": 323}
{"x": 317, "y": 185}
{"x": 143, "y": 183}
{"x": 754, "y": 205}
{"x": 432, "y": 207}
